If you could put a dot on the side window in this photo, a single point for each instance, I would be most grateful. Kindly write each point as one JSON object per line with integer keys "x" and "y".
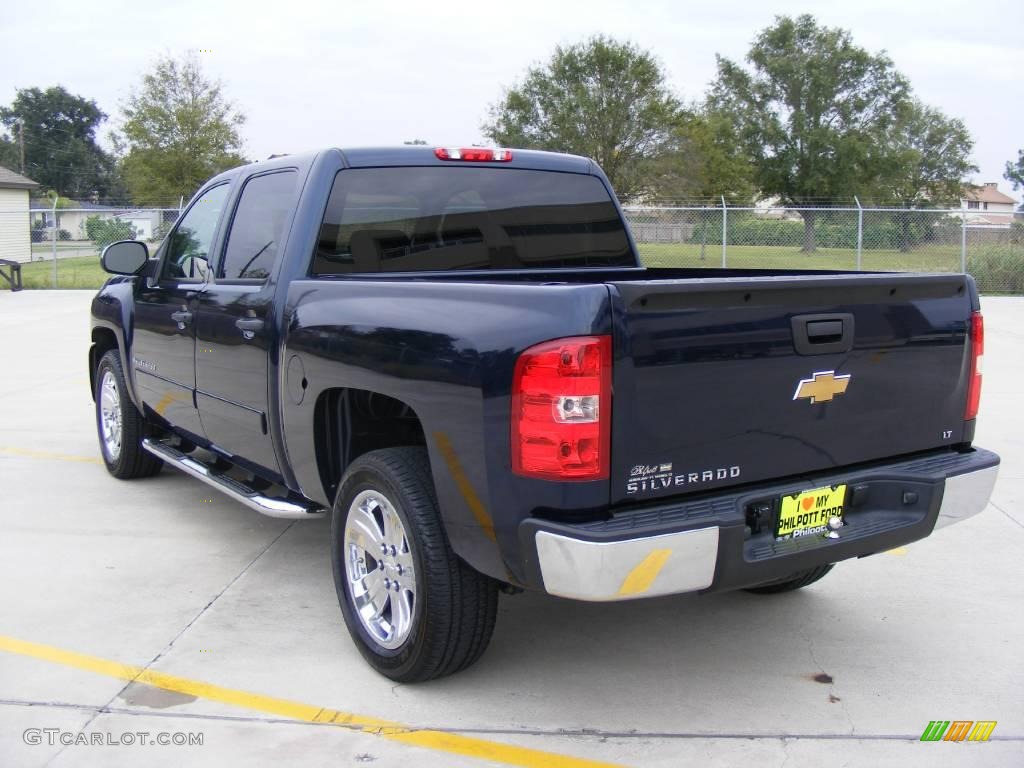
{"x": 188, "y": 250}
{"x": 258, "y": 227}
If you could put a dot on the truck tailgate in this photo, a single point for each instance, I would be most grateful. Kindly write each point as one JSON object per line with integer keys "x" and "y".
{"x": 724, "y": 381}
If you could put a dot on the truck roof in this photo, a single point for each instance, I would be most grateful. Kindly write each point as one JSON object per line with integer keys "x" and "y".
{"x": 376, "y": 157}
{"x": 366, "y": 157}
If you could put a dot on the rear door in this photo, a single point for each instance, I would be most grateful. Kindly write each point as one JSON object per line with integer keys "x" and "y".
{"x": 725, "y": 381}
{"x": 235, "y": 328}
{"x": 163, "y": 345}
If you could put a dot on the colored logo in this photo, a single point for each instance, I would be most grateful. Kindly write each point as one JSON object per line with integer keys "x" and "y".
{"x": 958, "y": 730}
{"x": 822, "y": 387}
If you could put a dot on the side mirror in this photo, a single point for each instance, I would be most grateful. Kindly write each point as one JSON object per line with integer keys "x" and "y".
{"x": 125, "y": 257}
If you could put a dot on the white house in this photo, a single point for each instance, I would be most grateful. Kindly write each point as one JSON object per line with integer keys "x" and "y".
{"x": 987, "y": 206}
{"x": 15, "y": 237}
{"x": 72, "y": 219}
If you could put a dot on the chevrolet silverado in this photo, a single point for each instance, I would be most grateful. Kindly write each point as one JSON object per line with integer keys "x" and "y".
{"x": 458, "y": 356}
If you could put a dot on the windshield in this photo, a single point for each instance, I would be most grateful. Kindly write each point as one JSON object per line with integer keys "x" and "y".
{"x": 445, "y": 218}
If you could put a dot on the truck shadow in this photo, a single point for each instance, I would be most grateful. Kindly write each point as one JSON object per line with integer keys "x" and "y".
{"x": 696, "y": 654}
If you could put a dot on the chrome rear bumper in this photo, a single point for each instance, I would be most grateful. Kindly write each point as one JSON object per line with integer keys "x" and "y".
{"x": 581, "y": 568}
{"x": 966, "y": 495}
{"x": 622, "y": 570}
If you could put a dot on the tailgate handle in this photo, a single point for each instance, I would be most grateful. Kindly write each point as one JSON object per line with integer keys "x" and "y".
{"x": 822, "y": 334}
{"x": 822, "y": 331}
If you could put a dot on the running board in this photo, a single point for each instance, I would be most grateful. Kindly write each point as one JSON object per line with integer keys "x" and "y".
{"x": 272, "y": 506}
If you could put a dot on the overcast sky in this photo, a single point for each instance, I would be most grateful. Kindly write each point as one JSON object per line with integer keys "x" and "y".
{"x": 341, "y": 73}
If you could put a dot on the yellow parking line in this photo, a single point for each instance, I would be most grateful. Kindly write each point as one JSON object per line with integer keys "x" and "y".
{"x": 439, "y": 741}
{"x": 30, "y": 454}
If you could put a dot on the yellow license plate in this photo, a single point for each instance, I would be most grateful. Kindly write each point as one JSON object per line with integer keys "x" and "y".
{"x": 808, "y": 513}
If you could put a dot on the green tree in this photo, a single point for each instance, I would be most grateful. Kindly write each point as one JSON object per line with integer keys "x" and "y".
{"x": 1015, "y": 171}
{"x": 179, "y": 130}
{"x": 930, "y": 157}
{"x": 103, "y": 231}
{"x": 813, "y": 113}
{"x": 600, "y": 98}
{"x": 929, "y": 161}
{"x": 702, "y": 161}
{"x": 61, "y": 152}
{"x": 9, "y": 154}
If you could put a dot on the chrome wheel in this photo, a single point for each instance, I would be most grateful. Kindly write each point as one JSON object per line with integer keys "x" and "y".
{"x": 379, "y": 569}
{"x": 110, "y": 416}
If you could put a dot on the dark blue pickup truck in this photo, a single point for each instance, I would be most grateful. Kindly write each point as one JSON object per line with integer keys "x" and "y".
{"x": 457, "y": 355}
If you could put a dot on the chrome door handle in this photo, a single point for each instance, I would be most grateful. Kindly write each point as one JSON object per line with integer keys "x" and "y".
{"x": 249, "y": 325}
{"x": 182, "y": 318}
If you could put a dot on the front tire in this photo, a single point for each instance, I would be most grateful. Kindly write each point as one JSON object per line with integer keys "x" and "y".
{"x": 414, "y": 609}
{"x": 798, "y": 580}
{"x": 119, "y": 424}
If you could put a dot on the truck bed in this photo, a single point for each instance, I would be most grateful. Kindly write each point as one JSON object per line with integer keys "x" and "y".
{"x": 707, "y": 365}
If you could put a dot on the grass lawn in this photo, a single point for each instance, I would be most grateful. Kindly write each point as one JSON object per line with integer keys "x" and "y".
{"x": 65, "y": 250}
{"x": 85, "y": 272}
{"x": 940, "y": 258}
{"x": 82, "y": 272}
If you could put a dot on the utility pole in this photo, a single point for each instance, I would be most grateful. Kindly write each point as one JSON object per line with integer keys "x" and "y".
{"x": 21, "y": 142}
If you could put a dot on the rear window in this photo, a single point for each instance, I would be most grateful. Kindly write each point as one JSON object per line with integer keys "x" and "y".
{"x": 449, "y": 218}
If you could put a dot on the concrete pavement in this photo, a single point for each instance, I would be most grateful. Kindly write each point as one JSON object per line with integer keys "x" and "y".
{"x": 166, "y": 574}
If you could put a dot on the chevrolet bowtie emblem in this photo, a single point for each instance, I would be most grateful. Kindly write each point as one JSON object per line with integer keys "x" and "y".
{"x": 822, "y": 387}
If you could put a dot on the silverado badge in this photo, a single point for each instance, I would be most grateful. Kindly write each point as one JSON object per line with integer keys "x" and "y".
{"x": 822, "y": 387}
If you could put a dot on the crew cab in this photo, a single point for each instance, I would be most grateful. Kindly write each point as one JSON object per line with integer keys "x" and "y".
{"x": 458, "y": 355}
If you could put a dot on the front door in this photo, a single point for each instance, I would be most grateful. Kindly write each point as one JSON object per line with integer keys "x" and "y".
{"x": 235, "y": 333}
{"x": 163, "y": 346}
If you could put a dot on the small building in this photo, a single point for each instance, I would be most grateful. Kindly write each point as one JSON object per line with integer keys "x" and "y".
{"x": 987, "y": 206}
{"x": 15, "y": 234}
{"x": 73, "y": 215}
{"x": 145, "y": 221}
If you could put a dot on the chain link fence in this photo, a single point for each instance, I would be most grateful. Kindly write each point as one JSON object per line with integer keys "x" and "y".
{"x": 70, "y": 239}
{"x": 988, "y": 244}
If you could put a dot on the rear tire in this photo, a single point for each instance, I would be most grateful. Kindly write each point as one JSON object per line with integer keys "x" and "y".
{"x": 409, "y": 626}
{"x": 119, "y": 424}
{"x": 798, "y": 580}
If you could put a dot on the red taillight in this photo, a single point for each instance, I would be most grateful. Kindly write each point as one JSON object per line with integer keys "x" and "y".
{"x": 474, "y": 154}
{"x": 561, "y": 409}
{"x": 977, "y": 338}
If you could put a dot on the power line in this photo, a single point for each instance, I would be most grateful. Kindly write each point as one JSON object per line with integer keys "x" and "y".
{"x": 62, "y": 129}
